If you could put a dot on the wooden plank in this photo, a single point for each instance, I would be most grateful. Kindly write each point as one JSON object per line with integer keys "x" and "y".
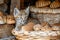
{"x": 1, "y": 1}
{"x": 18, "y": 3}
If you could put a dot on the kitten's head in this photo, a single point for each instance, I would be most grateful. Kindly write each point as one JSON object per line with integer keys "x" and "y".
{"x": 21, "y": 12}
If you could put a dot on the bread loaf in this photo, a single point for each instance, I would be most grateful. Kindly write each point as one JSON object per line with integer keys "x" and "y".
{"x": 10, "y": 19}
{"x": 2, "y": 18}
{"x": 55, "y": 4}
{"x": 42, "y": 3}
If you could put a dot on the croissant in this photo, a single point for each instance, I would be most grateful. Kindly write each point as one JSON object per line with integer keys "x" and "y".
{"x": 55, "y": 4}
{"x": 42, "y": 3}
{"x": 2, "y": 18}
{"x": 10, "y": 19}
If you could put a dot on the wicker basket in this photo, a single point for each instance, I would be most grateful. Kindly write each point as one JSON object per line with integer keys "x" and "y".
{"x": 21, "y": 36}
{"x": 46, "y": 14}
{"x": 8, "y": 38}
{"x": 5, "y": 30}
{"x": 40, "y": 38}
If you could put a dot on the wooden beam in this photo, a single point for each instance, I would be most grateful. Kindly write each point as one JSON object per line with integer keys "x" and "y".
{"x": 18, "y": 3}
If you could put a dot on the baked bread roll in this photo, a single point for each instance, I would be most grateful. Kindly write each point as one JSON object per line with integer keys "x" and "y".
{"x": 28, "y": 27}
{"x": 56, "y": 26}
{"x": 42, "y": 3}
{"x": 10, "y": 19}
{"x": 55, "y": 4}
{"x": 2, "y": 18}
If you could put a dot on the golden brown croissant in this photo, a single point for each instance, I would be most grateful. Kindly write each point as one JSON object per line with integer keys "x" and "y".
{"x": 42, "y": 3}
{"x": 2, "y": 18}
{"x": 55, "y": 4}
{"x": 10, "y": 19}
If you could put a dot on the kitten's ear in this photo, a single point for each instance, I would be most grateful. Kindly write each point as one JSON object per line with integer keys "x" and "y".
{"x": 16, "y": 12}
{"x": 27, "y": 10}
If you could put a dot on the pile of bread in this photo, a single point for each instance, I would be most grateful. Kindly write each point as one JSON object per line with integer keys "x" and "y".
{"x": 8, "y": 38}
{"x": 6, "y": 19}
{"x": 48, "y": 3}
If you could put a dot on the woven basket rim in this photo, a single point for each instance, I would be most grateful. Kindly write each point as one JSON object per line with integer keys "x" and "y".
{"x": 44, "y": 10}
{"x": 10, "y": 37}
{"x": 17, "y": 33}
{"x": 23, "y": 37}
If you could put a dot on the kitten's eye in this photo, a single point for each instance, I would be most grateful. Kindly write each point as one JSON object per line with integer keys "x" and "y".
{"x": 23, "y": 20}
